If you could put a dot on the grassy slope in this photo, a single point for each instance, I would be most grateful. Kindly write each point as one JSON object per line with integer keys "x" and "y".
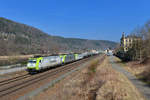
{"x": 140, "y": 70}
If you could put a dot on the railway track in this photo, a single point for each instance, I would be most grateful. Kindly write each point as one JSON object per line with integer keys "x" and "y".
{"x": 12, "y": 85}
{"x": 7, "y": 81}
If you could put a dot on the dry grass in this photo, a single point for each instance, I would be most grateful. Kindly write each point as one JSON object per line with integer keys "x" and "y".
{"x": 9, "y": 60}
{"x": 140, "y": 70}
{"x": 14, "y": 57}
{"x": 134, "y": 67}
{"x": 117, "y": 86}
{"x": 97, "y": 82}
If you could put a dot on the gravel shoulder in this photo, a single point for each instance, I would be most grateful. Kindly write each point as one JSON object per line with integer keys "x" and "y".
{"x": 141, "y": 86}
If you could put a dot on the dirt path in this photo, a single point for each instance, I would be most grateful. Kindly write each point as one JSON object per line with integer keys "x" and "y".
{"x": 142, "y": 87}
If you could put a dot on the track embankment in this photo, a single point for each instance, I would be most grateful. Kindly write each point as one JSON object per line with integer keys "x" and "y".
{"x": 97, "y": 81}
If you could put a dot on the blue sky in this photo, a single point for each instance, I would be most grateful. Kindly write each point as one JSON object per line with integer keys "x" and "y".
{"x": 90, "y": 19}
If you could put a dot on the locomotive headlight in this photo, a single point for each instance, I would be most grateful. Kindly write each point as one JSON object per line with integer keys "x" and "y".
{"x": 28, "y": 65}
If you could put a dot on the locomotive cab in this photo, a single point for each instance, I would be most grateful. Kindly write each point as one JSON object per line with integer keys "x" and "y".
{"x": 34, "y": 64}
{"x": 31, "y": 63}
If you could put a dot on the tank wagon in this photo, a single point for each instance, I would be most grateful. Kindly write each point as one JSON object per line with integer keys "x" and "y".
{"x": 42, "y": 63}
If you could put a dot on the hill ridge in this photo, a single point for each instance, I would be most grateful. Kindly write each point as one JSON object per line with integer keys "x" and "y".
{"x": 17, "y": 38}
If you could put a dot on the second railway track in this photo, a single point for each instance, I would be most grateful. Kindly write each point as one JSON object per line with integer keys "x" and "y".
{"x": 7, "y": 81}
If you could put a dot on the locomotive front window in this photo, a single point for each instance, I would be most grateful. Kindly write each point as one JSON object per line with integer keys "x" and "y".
{"x": 32, "y": 61}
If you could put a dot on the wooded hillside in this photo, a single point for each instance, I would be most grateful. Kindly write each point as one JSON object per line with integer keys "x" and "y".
{"x": 17, "y": 38}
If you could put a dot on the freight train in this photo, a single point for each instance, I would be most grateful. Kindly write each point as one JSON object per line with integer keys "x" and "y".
{"x": 41, "y": 63}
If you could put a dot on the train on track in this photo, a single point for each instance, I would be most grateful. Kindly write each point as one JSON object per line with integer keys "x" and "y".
{"x": 42, "y": 63}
